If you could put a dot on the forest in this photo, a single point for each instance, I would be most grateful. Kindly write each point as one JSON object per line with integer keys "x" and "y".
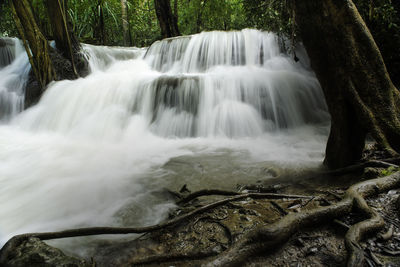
{"x": 199, "y": 133}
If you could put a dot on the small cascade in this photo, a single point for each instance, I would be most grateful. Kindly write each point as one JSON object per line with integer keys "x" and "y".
{"x": 7, "y": 51}
{"x": 101, "y": 57}
{"x": 241, "y": 85}
{"x": 14, "y": 71}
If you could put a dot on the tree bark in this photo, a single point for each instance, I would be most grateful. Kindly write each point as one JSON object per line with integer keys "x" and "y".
{"x": 168, "y": 22}
{"x": 35, "y": 43}
{"x": 66, "y": 42}
{"x": 360, "y": 95}
{"x": 47, "y": 63}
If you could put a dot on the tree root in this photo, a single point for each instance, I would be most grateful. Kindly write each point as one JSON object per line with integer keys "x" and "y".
{"x": 269, "y": 237}
{"x": 386, "y": 163}
{"x": 207, "y": 192}
{"x": 216, "y": 192}
{"x": 17, "y": 240}
{"x": 171, "y": 258}
{"x": 261, "y": 239}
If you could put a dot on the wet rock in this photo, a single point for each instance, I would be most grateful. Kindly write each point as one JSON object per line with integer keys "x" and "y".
{"x": 33, "y": 91}
{"x": 64, "y": 71}
{"x": 35, "y": 253}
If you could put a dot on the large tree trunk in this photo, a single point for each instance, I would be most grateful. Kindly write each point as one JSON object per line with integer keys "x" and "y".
{"x": 168, "y": 22}
{"x": 66, "y": 42}
{"x": 36, "y": 44}
{"x": 360, "y": 95}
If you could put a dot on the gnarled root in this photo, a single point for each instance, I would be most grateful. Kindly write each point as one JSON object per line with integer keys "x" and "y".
{"x": 269, "y": 237}
{"x": 17, "y": 240}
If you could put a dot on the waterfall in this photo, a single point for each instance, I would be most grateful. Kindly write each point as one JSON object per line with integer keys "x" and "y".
{"x": 92, "y": 150}
{"x": 233, "y": 84}
{"x": 14, "y": 70}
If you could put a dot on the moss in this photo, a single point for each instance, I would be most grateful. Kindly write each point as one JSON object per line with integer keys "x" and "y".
{"x": 389, "y": 171}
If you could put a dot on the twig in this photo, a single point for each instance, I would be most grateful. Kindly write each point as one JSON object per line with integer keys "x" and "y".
{"x": 279, "y": 208}
{"x": 344, "y": 225}
{"x": 308, "y": 202}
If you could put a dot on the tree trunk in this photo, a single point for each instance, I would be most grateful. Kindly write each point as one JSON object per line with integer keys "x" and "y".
{"x": 47, "y": 63}
{"x": 360, "y": 95}
{"x": 35, "y": 43}
{"x": 125, "y": 24}
{"x": 99, "y": 26}
{"x": 176, "y": 10}
{"x": 66, "y": 42}
{"x": 168, "y": 22}
{"x": 199, "y": 20}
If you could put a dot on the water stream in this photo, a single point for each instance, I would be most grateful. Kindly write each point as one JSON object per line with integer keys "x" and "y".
{"x": 208, "y": 110}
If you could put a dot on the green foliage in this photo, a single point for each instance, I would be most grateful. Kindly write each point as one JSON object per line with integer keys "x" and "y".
{"x": 7, "y": 25}
{"x": 143, "y": 22}
{"x": 389, "y": 171}
{"x": 270, "y": 15}
{"x": 206, "y": 15}
{"x": 96, "y": 21}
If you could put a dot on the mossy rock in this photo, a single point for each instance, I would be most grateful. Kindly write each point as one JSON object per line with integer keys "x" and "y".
{"x": 36, "y": 253}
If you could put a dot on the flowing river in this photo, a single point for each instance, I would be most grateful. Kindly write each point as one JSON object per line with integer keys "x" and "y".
{"x": 210, "y": 110}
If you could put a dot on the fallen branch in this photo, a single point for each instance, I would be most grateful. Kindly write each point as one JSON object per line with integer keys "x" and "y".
{"x": 216, "y": 192}
{"x": 271, "y": 236}
{"x": 17, "y": 240}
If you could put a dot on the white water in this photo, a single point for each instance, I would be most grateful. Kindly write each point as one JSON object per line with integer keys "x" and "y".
{"x": 95, "y": 146}
{"x": 14, "y": 70}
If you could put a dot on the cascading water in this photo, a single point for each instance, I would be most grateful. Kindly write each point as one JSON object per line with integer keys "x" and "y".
{"x": 92, "y": 150}
{"x": 230, "y": 83}
{"x": 14, "y": 70}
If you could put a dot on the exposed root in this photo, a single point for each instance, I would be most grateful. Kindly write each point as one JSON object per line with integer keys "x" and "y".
{"x": 207, "y": 192}
{"x": 171, "y": 258}
{"x": 216, "y": 192}
{"x": 269, "y": 237}
{"x": 357, "y": 231}
{"x": 392, "y": 162}
{"x": 18, "y": 239}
